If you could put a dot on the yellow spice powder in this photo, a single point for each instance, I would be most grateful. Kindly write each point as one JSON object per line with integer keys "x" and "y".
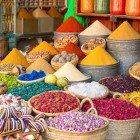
{"x": 15, "y": 57}
{"x": 44, "y": 46}
{"x": 98, "y": 57}
{"x": 124, "y": 32}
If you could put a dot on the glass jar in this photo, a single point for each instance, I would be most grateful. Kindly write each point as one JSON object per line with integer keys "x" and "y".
{"x": 117, "y": 7}
{"x": 87, "y": 6}
{"x": 132, "y": 7}
{"x": 102, "y": 6}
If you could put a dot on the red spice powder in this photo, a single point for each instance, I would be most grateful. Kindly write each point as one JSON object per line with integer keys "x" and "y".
{"x": 71, "y": 25}
{"x": 72, "y": 48}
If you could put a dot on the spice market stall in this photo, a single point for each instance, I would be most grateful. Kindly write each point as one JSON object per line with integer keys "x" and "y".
{"x": 83, "y": 86}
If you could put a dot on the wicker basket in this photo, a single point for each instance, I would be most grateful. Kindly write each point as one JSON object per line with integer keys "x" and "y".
{"x": 46, "y": 57}
{"x": 97, "y": 134}
{"x": 56, "y": 66}
{"x": 86, "y": 52}
{"x": 51, "y": 114}
{"x": 83, "y": 97}
{"x": 120, "y": 129}
{"x": 134, "y": 76}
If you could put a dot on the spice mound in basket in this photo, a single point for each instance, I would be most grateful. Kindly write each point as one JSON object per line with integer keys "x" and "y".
{"x": 121, "y": 84}
{"x": 114, "y": 109}
{"x": 134, "y": 71}
{"x": 92, "y": 90}
{"x": 54, "y": 102}
{"x": 88, "y": 46}
{"x": 61, "y": 42}
{"x": 77, "y": 122}
{"x": 60, "y": 59}
{"x": 36, "y": 55}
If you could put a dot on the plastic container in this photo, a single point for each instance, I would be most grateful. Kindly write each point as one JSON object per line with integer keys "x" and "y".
{"x": 117, "y": 7}
{"x": 132, "y": 7}
{"x": 102, "y": 6}
{"x": 87, "y": 6}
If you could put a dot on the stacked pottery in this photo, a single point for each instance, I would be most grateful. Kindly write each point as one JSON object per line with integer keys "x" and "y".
{"x": 124, "y": 45}
{"x": 95, "y": 30}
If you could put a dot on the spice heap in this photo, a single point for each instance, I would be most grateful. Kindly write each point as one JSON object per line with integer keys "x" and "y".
{"x": 133, "y": 97}
{"x": 8, "y": 67}
{"x": 72, "y": 48}
{"x": 9, "y": 80}
{"x": 135, "y": 70}
{"x": 36, "y": 55}
{"x": 54, "y": 13}
{"x": 44, "y": 46}
{"x": 124, "y": 32}
{"x": 39, "y": 13}
{"x": 121, "y": 84}
{"x": 115, "y": 109}
{"x": 64, "y": 57}
{"x": 69, "y": 71}
{"x": 40, "y": 64}
{"x": 91, "y": 90}
{"x": 71, "y": 25}
{"x": 55, "y": 102}
{"x": 9, "y": 100}
{"x": 24, "y": 14}
{"x": 76, "y": 122}
{"x": 29, "y": 90}
{"x": 96, "y": 29}
{"x": 16, "y": 58}
{"x": 98, "y": 57}
{"x": 34, "y": 75}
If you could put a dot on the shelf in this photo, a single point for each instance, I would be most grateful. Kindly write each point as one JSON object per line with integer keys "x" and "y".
{"x": 109, "y": 15}
{"x": 47, "y": 6}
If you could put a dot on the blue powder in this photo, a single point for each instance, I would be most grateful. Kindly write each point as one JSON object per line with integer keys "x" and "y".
{"x": 32, "y": 76}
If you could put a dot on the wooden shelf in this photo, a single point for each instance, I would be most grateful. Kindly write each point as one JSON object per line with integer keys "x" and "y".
{"x": 109, "y": 15}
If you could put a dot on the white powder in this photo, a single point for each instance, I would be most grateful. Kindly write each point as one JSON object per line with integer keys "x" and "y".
{"x": 91, "y": 90}
{"x": 96, "y": 29}
{"x": 69, "y": 71}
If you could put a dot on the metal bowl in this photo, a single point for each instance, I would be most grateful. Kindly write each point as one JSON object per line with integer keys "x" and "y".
{"x": 99, "y": 72}
{"x": 122, "y": 45}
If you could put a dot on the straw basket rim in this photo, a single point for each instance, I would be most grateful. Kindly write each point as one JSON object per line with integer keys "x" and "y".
{"x": 134, "y": 76}
{"x": 83, "y": 97}
{"x": 52, "y": 114}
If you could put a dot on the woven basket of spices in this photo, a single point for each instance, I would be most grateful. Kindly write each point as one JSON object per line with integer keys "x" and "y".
{"x": 89, "y": 45}
{"x": 134, "y": 71}
{"x": 123, "y": 124}
{"x": 59, "y": 60}
{"x": 61, "y": 42}
{"x": 36, "y": 55}
{"x": 50, "y": 106}
{"x": 97, "y": 133}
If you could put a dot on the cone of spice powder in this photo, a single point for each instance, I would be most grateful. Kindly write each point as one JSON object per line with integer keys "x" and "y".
{"x": 124, "y": 32}
{"x": 71, "y": 25}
